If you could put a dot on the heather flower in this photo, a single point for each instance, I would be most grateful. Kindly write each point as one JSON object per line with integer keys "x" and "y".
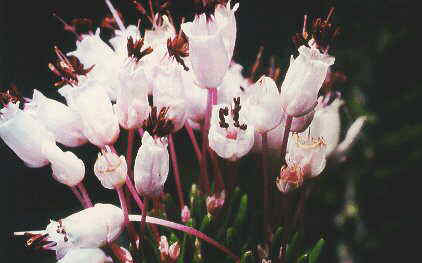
{"x": 151, "y": 166}
{"x": 92, "y": 255}
{"x": 24, "y": 134}
{"x": 233, "y": 84}
{"x": 58, "y": 118}
{"x": 110, "y": 169}
{"x": 230, "y": 136}
{"x": 303, "y": 81}
{"x": 67, "y": 168}
{"x": 168, "y": 253}
{"x": 215, "y": 202}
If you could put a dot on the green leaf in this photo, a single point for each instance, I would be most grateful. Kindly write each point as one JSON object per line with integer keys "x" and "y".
{"x": 241, "y": 214}
{"x": 316, "y": 251}
{"x": 302, "y": 259}
{"x": 276, "y": 243}
{"x": 292, "y": 247}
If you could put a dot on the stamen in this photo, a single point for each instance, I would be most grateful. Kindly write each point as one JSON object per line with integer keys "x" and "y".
{"x": 158, "y": 125}
{"x": 116, "y": 16}
{"x": 68, "y": 27}
{"x": 222, "y": 113}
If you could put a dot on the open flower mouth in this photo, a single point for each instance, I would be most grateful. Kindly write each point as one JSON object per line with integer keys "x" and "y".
{"x": 39, "y": 241}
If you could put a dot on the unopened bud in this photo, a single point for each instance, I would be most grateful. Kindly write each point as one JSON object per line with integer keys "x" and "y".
{"x": 174, "y": 252}
{"x": 215, "y": 202}
{"x": 111, "y": 169}
{"x": 185, "y": 214}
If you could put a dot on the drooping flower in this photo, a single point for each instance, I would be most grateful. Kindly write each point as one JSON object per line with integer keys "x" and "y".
{"x": 303, "y": 81}
{"x": 23, "y": 134}
{"x": 230, "y": 136}
{"x": 67, "y": 168}
{"x": 262, "y": 106}
{"x": 151, "y": 165}
{"x": 218, "y": 32}
{"x": 92, "y": 255}
{"x": 58, "y": 118}
{"x": 110, "y": 169}
{"x": 233, "y": 84}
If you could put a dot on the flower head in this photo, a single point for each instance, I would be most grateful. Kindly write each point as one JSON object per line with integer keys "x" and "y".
{"x": 110, "y": 169}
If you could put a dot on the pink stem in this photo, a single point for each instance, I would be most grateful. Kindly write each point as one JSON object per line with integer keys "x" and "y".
{"x": 286, "y": 136}
{"x": 131, "y": 230}
{"x": 129, "y": 160}
{"x": 176, "y": 171}
{"x": 133, "y": 192}
{"x": 78, "y": 195}
{"x": 85, "y": 195}
{"x": 144, "y": 214}
{"x": 205, "y": 185}
{"x": 186, "y": 229}
{"x": 266, "y": 185}
{"x": 193, "y": 140}
{"x": 219, "y": 182}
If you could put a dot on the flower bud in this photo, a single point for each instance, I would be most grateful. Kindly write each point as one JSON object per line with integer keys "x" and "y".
{"x": 58, "y": 118}
{"x": 163, "y": 246}
{"x": 185, "y": 214}
{"x": 174, "y": 252}
{"x": 215, "y": 202}
{"x": 24, "y": 135}
{"x": 67, "y": 168}
{"x": 91, "y": 102}
{"x": 111, "y": 170}
{"x": 151, "y": 166}
{"x": 92, "y": 255}
{"x": 303, "y": 81}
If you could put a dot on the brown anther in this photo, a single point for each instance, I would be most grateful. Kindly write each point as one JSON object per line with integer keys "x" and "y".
{"x": 331, "y": 79}
{"x": 11, "y": 95}
{"x": 235, "y": 114}
{"x": 178, "y": 48}
{"x": 110, "y": 23}
{"x": 222, "y": 113}
{"x": 35, "y": 240}
{"x": 134, "y": 49}
{"x": 82, "y": 25}
{"x": 157, "y": 125}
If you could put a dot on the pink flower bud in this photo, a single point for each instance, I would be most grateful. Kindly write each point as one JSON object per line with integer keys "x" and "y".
{"x": 174, "y": 252}
{"x": 163, "y": 246}
{"x": 215, "y": 202}
{"x": 151, "y": 166}
{"x": 58, "y": 118}
{"x": 111, "y": 170}
{"x": 185, "y": 214}
{"x": 303, "y": 81}
{"x": 24, "y": 135}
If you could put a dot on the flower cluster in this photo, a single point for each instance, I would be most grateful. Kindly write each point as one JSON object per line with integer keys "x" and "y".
{"x": 151, "y": 83}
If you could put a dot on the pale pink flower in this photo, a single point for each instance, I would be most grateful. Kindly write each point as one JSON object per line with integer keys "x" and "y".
{"x": 185, "y": 215}
{"x": 215, "y": 202}
{"x": 110, "y": 169}
{"x": 168, "y": 253}
{"x": 91, "y": 255}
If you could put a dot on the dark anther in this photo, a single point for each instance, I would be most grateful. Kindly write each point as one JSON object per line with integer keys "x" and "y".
{"x": 207, "y": 7}
{"x": 221, "y": 113}
{"x": 134, "y": 49}
{"x": 235, "y": 113}
{"x": 150, "y": 100}
{"x": 35, "y": 240}
{"x": 109, "y": 21}
{"x": 178, "y": 48}
{"x": 158, "y": 124}
{"x": 11, "y": 95}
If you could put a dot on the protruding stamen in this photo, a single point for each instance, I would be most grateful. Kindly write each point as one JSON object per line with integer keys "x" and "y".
{"x": 68, "y": 27}
{"x": 116, "y": 16}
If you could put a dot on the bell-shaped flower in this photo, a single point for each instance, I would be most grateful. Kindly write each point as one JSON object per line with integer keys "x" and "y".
{"x": 232, "y": 85}
{"x": 303, "y": 81}
{"x": 151, "y": 166}
{"x": 219, "y": 32}
{"x": 110, "y": 169}
{"x": 58, "y": 118}
{"x": 67, "y": 168}
{"x": 24, "y": 134}
{"x": 261, "y": 105}
{"x": 90, "y": 101}
{"x": 229, "y": 135}
{"x": 168, "y": 93}
{"x": 132, "y": 106}
{"x": 305, "y": 159}
{"x": 92, "y": 227}
{"x": 92, "y": 255}
{"x": 92, "y": 50}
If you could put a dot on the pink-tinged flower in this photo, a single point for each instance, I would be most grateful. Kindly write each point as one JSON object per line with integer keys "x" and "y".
{"x": 305, "y": 159}
{"x": 151, "y": 166}
{"x": 215, "y": 202}
{"x": 92, "y": 255}
{"x": 92, "y": 227}
{"x": 110, "y": 169}
{"x": 261, "y": 105}
{"x": 67, "y": 168}
{"x": 185, "y": 214}
{"x": 24, "y": 134}
{"x": 233, "y": 84}
{"x": 303, "y": 81}
{"x": 211, "y": 44}
{"x": 168, "y": 93}
{"x": 90, "y": 101}
{"x": 230, "y": 136}
{"x": 58, "y": 118}
{"x": 168, "y": 253}
{"x": 132, "y": 106}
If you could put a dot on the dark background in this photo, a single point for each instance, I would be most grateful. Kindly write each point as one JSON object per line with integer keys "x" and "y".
{"x": 378, "y": 51}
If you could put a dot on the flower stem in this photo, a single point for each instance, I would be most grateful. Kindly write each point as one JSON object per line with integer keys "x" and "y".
{"x": 287, "y": 126}
{"x": 134, "y": 238}
{"x": 133, "y": 192}
{"x": 176, "y": 171}
{"x": 144, "y": 215}
{"x": 193, "y": 140}
{"x": 267, "y": 189}
{"x": 129, "y": 160}
{"x": 78, "y": 195}
{"x": 85, "y": 195}
{"x": 186, "y": 229}
{"x": 219, "y": 182}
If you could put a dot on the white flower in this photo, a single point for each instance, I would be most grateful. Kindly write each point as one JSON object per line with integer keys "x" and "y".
{"x": 303, "y": 80}
{"x": 90, "y": 101}
{"x": 261, "y": 106}
{"x": 229, "y": 135}
{"x": 111, "y": 170}
{"x": 92, "y": 227}
{"x": 350, "y": 139}
{"x": 92, "y": 50}
{"x": 91, "y": 255}
{"x": 232, "y": 84}
{"x": 211, "y": 44}
{"x": 67, "y": 168}
{"x": 24, "y": 135}
{"x": 151, "y": 166}
{"x": 58, "y": 118}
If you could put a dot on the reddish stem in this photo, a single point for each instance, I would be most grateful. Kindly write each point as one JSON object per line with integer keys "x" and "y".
{"x": 144, "y": 214}
{"x": 219, "y": 182}
{"x": 78, "y": 195}
{"x": 134, "y": 238}
{"x": 129, "y": 160}
{"x": 287, "y": 126}
{"x": 193, "y": 140}
{"x": 265, "y": 175}
{"x": 186, "y": 229}
{"x": 85, "y": 195}
{"x": 133, "y": 192}
{"x": 176, "y": 171}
